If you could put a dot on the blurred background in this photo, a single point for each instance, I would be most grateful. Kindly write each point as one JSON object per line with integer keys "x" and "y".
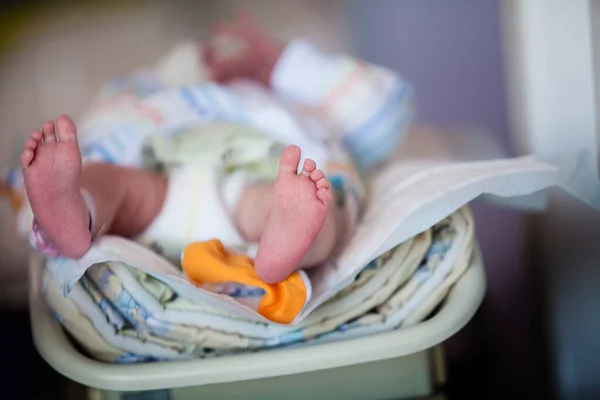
{"x": 536, "y": 334}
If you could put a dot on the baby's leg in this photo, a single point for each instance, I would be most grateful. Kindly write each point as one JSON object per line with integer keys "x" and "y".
{"x": 294, "y": 219}
{"x": 125, "y": 200}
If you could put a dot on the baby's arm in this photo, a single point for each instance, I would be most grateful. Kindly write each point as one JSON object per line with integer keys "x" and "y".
{"x": 241, "y": 50}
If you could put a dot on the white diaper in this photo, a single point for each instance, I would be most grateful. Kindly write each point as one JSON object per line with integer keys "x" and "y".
{"x": 199, "y": 206}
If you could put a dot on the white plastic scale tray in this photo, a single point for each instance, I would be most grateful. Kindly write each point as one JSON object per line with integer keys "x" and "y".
{"x": 402, "y": 345}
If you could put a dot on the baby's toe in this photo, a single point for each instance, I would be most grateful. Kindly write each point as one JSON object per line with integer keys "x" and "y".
{"x": 37, "y": 135}
{"x": 26, "y": 158}
{"x": 31, "y": 144}
{"x": 49, "y": 132}
{"x": 309, "y": 167}
{"x": 290, "y": 159}
{"x": 322, "y": 184}
{"x": 317, "y": 175}
{"x": 325, "y": 195}
{"x": 35, "y": 139}
{"x": 66, "y": 129}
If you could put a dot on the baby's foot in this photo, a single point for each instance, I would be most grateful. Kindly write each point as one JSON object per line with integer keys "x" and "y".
{"x": 298, "y": 212}
{"x": 51, "y": 163}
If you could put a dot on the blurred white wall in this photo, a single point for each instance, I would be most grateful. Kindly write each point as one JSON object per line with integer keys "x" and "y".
{"x": 550, "y": 64}
{"x": 554, "y": 92}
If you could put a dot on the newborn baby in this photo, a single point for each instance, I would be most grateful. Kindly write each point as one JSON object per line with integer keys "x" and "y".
{"x": 294, "y": 219}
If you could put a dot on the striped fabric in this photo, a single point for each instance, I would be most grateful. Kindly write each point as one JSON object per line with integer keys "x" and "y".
{"x": 370, "y": 106}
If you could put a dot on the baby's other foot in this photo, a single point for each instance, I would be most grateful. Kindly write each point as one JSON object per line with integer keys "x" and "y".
{"x": 300, "y": 206}
{"x": 51, "y": 163}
